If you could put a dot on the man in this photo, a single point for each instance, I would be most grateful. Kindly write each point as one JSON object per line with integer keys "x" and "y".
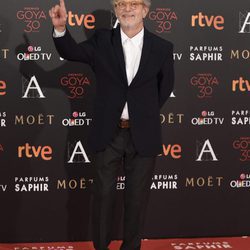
{"x": 134, "y": 78}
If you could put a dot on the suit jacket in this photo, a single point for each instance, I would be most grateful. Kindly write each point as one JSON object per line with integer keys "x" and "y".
{"x": 145, "y": 96}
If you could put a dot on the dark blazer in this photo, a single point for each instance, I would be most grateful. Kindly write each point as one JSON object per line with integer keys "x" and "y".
{"x": 146, "y": 94}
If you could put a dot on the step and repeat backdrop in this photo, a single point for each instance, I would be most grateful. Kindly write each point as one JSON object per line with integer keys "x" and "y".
{"x": 202, "y": 177}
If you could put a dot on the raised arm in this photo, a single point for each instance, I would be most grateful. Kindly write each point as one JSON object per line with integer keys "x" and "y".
{"x": 58, "y": 15}
{"x": 65, "y": 44}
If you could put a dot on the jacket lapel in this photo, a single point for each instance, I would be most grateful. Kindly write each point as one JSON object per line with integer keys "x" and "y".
{"x": 144, "y": 56}
{"x": 119, "y": 52}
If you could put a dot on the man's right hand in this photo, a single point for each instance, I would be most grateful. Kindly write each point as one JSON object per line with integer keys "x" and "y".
{"x": 59, "y": 16}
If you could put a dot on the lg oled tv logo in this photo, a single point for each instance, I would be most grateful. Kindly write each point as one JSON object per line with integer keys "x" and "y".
{"x": 34, "y": 53}
{"x": 164, "y": 18}
{"x": 32, "y": 17}
{"x": 78, "y": 119}
{"x": 203, "y": 21}
{"x": 242, "y": 182}
{"x": 207, "y": 118}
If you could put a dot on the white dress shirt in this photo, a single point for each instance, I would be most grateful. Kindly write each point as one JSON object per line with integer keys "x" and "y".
{"x": 132, "y": 49}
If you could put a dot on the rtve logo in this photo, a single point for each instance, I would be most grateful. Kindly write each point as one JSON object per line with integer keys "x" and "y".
{"x": 87, "y": 20}
{"x": 2, "y": 88}
{"x": 201, "y": 20}
{"x": 45, "y": 152}
{"x": 174, "y": 151}
{"x": 241, "y": 85}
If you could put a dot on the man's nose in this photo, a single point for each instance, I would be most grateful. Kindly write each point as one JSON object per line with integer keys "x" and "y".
{"x": 128, "y": 7}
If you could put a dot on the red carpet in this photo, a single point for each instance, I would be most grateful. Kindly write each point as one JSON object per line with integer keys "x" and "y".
{"x": 234, "y": 243}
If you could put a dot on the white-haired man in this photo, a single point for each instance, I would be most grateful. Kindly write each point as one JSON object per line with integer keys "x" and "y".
{"x": 134, "y": 78}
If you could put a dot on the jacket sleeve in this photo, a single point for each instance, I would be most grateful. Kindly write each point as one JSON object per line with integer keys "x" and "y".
{"x": 72, "y": 51}
{"x": 166, "y": 77}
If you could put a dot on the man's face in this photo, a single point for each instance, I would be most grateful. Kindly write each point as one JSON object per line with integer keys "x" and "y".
{"x": 131, "y": 13}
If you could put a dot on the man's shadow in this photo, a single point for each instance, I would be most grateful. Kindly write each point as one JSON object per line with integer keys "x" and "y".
{"x": 78, "y": 210}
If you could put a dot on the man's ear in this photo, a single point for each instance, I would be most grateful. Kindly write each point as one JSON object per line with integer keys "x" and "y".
{"x": 145, "y": 11}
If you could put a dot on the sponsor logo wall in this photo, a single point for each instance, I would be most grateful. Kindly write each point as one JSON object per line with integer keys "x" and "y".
{"x": 200, "y": 186}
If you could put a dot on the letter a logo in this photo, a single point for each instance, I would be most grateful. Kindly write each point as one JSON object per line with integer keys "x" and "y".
{"x": 79, "y": 150}
{"x": 206, "y": 152}
{"x": 246, "y": 23}
{"x": 35, "y": 86}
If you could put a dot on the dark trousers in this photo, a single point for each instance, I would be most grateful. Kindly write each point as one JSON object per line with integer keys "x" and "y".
{"x": 138, "y": 175}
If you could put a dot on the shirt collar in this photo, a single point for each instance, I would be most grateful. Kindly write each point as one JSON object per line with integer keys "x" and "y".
{"x": 137, "y": 39}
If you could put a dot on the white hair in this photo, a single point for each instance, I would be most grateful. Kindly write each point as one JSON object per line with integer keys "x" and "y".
{"x": 146, "y": 2}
